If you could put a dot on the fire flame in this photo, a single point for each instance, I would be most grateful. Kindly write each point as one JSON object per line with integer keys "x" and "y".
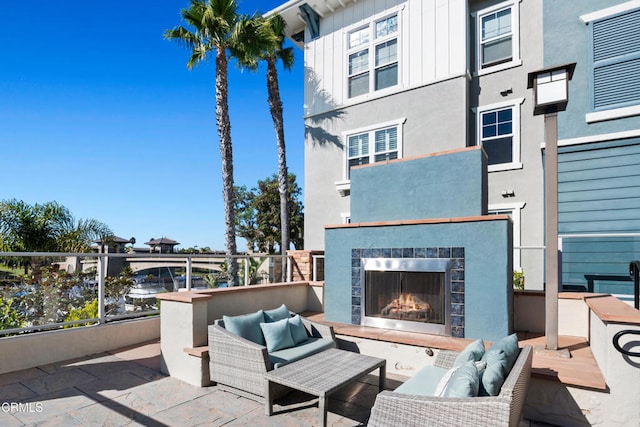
{"x": 407, "y": 302}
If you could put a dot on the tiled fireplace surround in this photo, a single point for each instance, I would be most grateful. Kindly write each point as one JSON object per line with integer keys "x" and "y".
{"x": 456, "y": 254}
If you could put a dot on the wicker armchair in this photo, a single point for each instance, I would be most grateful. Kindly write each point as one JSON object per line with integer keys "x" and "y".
{"x": 505, "y": 409}
{"x": 238, "y": 365}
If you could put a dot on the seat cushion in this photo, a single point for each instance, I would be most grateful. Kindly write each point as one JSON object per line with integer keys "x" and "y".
{"x": 424, "y": 382}
{"x": 276, "y": 314}
{"x": 472, "y": 353}
{"x": 307, "y": 348}
{"x": 277, "y": 335}
{"x": 246, "y": 326}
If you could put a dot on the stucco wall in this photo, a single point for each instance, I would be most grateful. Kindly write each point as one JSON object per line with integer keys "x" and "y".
{"x": 443, "y": 185}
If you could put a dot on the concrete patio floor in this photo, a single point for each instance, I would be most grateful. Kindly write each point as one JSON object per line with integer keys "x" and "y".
{"x": 126, "y": 388}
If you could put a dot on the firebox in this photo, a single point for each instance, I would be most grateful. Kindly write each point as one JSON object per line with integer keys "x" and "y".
{"x": 410, "y": 294}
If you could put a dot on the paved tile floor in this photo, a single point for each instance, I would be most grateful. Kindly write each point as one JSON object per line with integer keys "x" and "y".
{"x": 126, "y": 388}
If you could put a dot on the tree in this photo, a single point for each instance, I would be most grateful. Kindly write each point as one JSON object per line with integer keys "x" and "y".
{"x": 47, "y": 227}
{"x": 218, "y": 27}
{"x": 258, "y": 214}
{"x": 274, "y": 52}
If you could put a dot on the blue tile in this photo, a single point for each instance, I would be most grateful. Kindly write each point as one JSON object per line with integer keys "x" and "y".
{"x": 457, "y": 275}
{"x": 376, "y": 253}
{"x": 366, "y": 253}
{"x": 444, "y": 252}
{"x": 356, "y": 310}
{"x": 420, "y": 253}
{"x": 396, "y": 253}
{"x": 407, "y": 252}
{"x": 386, "y": 253}
{"x": 457, "y": 252}
{"x": 457, "y": 320}
{"x": 356, "y": 290}
{"x": 356, "y": 273}
{"x": 355, "y": 320}
{"x": 355, "y": 262}
{"x": 355, "y": 300}
{"x": 457, "y": 298}
{"x": 457, "y": 309}
{"x": 457, "y": 332}
{"x": 356, "y": 252}
{"x": 432, "y": 252}
{"x": 457, "y": 264}
{"x": 457, "y": 286}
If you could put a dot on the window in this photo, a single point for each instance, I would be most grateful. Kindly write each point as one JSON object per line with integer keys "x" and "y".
{"x": 374, "y": 145}
{"x": 498, "y": 41}
{"x": 372, "y": 53}
{"x": 499, "y": 134}
{"x": 616, "y": 61}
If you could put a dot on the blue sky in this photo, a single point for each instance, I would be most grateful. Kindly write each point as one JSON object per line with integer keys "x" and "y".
{"x": 99, "y": 113}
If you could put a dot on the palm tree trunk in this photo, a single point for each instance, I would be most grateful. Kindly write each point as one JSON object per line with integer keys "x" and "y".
{"x": 275, "y": 105}
{"x": 226, "y": 155}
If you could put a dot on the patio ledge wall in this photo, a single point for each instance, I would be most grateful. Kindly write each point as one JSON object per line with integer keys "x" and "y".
{"x": 31, "y": 350}
{"x": 186, "y": 316}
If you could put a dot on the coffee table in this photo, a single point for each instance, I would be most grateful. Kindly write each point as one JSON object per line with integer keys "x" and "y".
{"x": 321, "y": 374}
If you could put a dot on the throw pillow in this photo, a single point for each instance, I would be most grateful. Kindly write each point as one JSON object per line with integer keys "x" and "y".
{"x": 277, "y": 335}
{"x": 442, "y": 384}
{"x": 298, "y": 331}
{"x": 465, "y": 382}
{"x": 246, "y": 326}
{"x": 471, "y": 353}
{"x": 276, "y": 314}
{"x": 510, "y": 347}
{"x": 494, "y": 374}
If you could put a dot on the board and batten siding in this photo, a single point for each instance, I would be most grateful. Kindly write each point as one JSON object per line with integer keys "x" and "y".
{"x": 599, "y": 192}
{"x": 432, "y": 47}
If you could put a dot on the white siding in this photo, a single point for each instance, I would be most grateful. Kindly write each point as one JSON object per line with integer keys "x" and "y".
{"x": 432, "y": 47}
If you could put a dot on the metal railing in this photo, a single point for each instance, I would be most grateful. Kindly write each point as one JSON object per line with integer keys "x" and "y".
{"x": 55, "y": 283}
{"x": 616, "y": 342}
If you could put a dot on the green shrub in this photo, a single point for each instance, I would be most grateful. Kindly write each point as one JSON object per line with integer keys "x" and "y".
{"x": 89, "y": 311}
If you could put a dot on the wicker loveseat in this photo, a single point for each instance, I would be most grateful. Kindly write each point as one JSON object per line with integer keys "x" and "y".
{"x": 402, "y": 408}
{"x": 238, "y": 363}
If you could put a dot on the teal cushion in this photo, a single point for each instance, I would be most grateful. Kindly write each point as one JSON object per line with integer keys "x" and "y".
{"x": 298, "y": 331}
{"x": 494, "y": 374}
{"x": 424, "y": 382}
{"x": 276, "y": 314}
{"x": 510, "y": 347}
{"x": 472, "y": 353}
{"x": 247, "y": 326}
{"x": 291, "y": 354}
{"x": 464, "y": 382}
{"x": 277, "y": 335}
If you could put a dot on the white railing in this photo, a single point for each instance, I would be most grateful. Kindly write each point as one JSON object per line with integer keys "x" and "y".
{"x": 72, "y": 280}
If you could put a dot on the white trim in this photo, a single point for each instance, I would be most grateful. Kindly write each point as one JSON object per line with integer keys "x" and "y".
{"x": 516, "y": 216}
{"x": 515, "y": 37}
{"x": 603, "y": 13}
{"x": 397, "y": 122}
{"x": 616, "y": 113}
{"x": 596, "y": 138}
{"x": 504, "y": 167}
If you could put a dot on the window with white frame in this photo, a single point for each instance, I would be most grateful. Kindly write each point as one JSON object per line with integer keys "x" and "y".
{"x": 372, "y": 57}
{"x": 499, "y": 134}
{"x": 371, "y": 146}
{"x": 498, "y": 37}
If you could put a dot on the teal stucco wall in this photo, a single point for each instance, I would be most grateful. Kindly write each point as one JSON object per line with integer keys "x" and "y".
{"x": 441, "y": 185}
{"x": 488, "y": 262}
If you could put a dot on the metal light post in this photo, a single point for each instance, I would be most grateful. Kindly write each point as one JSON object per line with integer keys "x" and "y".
{"x": 551, "y": 94}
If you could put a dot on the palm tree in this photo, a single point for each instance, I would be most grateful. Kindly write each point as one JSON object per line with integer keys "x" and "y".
{"x": 275, "y": 51}
{"x": 218, "y": 27}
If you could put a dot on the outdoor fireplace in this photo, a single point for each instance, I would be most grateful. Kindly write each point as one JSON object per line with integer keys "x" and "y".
{"x": 410, "y": 294}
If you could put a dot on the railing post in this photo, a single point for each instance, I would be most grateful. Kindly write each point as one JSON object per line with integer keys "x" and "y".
{"x": 188, "y": 274}
{"x": 102, "y": 319}
{"x": 314, "y": 276}
{"x": 246, "y": 270}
